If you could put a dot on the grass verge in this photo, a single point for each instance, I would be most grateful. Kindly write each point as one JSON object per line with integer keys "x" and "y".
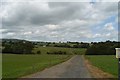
{"x": 107, "y": 63}
{"x": 0, "y": 65}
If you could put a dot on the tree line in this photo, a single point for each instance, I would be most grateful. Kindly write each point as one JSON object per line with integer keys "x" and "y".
{"x": 25, "y": 47}
{"x": 103, "y": 48}
{"x": 57, "y": 52}
{"x": 17, "y": 47}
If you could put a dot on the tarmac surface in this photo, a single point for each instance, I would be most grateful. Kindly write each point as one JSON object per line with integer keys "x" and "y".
{"x": 72, "y": 68}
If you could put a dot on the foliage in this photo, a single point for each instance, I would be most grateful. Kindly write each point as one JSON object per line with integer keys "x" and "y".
{"x": 63, "y": 44}
{"x": 57, "y": 52}
{"x": 19, "y": 47}
{"x": 84, "y": 45}
{"x": 103, "y": 48}
{"x": 38, "y": 52}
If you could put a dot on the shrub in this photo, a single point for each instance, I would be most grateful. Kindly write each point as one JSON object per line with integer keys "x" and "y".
{"x": 57, "y": 52}
{"x": 38, "y": 52}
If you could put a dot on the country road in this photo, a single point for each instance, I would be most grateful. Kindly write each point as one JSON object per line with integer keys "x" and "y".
{"x": 73, "y": 68}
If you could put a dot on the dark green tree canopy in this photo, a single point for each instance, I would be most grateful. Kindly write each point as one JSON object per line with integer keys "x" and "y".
{"x": 103, "y": 48}
{"x": 18, "y": 47}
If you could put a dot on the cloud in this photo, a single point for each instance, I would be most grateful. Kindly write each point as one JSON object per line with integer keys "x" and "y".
{"x": 109, "y": 26}
{"x": 52, "y": 27}
{"x": 97, "y": 35}
{"x": 27, "y": 33}
{"x": 10, "y": 34}
{"x": 3, "y": 30}
{"x": 55, "y": 21}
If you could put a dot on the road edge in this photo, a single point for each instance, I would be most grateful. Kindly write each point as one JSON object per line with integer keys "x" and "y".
{"x": 95, "y": 71}
{"x": 66, "y": 59}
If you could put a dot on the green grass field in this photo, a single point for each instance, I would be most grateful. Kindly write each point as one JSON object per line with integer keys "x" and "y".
{"x": 44, "y": 50}
{"x": 15, "y": 66}
{"x": 107, "y": 63}
{"x": 0, "y": 66}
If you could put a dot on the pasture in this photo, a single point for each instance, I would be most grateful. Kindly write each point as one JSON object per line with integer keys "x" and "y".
{"x": 107, "y": 63}
{"x": 0, "y": 65}
{"x": 18, "y": 65}
{"x": 44, "y": 50}
{"x": 15, "y": 66}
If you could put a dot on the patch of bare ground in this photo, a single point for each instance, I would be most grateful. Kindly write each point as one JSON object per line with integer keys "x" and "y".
{"x": 96, "y": 72}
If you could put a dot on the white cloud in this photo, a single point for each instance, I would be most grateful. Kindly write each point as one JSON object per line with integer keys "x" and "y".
{"x": 27, "y": 33}
{"x": 3, "y": 30}
{"x": 10, "y": 33}
{"x": 97, "y": 35}
{"x": 37, "y": 32}
{"x": 109, "y": 26}
{"x": 52, "y": 27}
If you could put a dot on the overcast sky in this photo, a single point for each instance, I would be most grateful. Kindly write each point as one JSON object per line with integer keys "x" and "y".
{"x": 59, "y": 21}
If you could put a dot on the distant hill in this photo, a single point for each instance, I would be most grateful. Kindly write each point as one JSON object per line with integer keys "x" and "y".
{"x": 11, "y": 40}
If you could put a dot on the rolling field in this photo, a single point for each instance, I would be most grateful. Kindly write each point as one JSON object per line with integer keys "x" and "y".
{"x": 44, "y": 50}
{"x": 15, "y": 66}
{"x": 107, "y": 63}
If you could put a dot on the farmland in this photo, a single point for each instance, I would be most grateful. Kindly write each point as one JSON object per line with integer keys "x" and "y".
{"x": 107, "y": 63}
{"x": 0, "y": 65}
{"x": 18, "y": 65}
{"x": 44, "y": 50}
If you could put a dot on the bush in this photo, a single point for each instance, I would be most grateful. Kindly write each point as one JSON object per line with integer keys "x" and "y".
{"x": 38, "y": 52}
{"x": 48, "y": 53}
{"x": 57, "y": 52}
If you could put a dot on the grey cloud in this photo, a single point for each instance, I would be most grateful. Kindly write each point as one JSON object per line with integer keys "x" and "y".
{"x": 74, "y": 19}
{"x": 28, "y": 14}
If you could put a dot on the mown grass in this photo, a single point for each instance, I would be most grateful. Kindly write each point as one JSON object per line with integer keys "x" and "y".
{"x": 107, "y": 63}
{"x": 44, "y": 50}
{"x": 15, "y": 66}
{"x": 0, "y": 65}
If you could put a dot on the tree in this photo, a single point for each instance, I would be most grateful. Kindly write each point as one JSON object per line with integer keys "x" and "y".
{"x": 103, "y": 48}
{"x": 19, "y": 47}
{"x": 38, "y": 52}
